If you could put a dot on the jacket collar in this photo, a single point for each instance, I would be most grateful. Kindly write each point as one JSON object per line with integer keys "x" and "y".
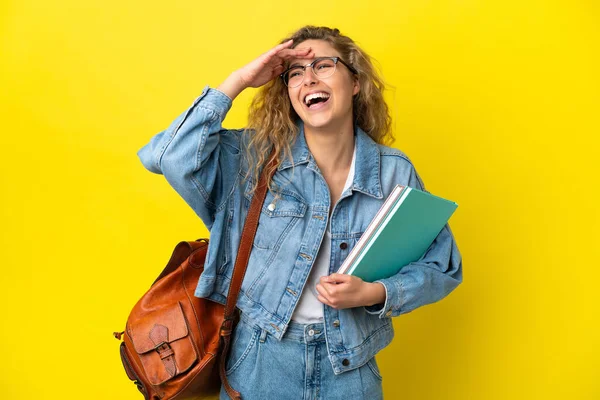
{"x": 367, "y": 174}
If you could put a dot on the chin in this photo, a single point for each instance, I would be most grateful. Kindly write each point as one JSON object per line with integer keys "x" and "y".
{"x": 318, "y": 124}
{"x": 318, "y": 121}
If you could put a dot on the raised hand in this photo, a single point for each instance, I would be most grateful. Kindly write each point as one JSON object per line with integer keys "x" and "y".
{"x": 270, "y": 64}
{"x": 263, "y": 69}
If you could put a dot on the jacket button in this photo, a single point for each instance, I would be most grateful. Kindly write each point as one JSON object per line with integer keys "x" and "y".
{"x": 343, "y": 245}
{"x": 345, "y": 362}
{"x": 389, "y": 313}
{"x": 336, "y": 323}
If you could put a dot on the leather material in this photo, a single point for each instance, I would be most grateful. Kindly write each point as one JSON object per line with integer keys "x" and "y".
{"x": 175, "y": 344}
{"x": 163, "y": 344}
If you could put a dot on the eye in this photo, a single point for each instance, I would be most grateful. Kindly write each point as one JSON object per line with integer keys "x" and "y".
{"x": 294, "y": 72}
{"x": 324, "y": 64}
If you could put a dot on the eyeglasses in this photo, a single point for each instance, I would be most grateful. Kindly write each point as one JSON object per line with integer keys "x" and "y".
{"x": 323, "y": 67}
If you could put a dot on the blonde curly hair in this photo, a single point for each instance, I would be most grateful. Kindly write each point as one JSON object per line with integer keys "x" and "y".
{"x": 272, "y": 118}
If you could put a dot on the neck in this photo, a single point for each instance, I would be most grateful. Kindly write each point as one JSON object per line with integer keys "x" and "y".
{"x": 332, "y": 149}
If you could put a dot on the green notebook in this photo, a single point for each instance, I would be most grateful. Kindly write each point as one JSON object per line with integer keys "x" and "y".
{"x": 400, "y": 233}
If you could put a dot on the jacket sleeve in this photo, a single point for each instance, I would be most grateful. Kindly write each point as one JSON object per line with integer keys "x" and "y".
{"x": 431, "y": 278}
{"x": 198, "y": 158}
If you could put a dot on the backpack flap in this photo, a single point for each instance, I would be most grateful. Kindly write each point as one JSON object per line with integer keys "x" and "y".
{"x": 163, "y": 344}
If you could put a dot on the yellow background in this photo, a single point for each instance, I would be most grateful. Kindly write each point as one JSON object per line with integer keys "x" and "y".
{"x": 496, "y": 102}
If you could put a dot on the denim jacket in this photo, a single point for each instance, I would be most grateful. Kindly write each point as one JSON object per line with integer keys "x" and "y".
{"x": 206, "y": 165}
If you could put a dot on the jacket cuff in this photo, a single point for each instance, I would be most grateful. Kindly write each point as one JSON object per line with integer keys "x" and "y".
{"x": 393, "y": 300}
{"x": 214, "y": 100}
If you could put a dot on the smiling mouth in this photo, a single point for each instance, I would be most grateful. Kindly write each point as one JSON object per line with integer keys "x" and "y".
{"x": 316, "y": 100}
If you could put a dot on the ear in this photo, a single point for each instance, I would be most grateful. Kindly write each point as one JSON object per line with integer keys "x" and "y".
{"x": 356, "y": 87}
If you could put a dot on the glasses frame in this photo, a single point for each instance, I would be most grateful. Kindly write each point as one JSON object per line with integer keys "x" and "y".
{"x": 334, "y": 59}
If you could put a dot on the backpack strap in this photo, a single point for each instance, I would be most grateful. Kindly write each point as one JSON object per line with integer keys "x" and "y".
{"x": 239, "y": 269}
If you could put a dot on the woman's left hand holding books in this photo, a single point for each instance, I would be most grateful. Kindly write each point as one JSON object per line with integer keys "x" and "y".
{"x": 346, "y": 291}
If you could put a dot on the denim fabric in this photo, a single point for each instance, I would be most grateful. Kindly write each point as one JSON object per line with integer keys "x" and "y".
{"x": 296, "y": 367}
{"x": 206, "y": 164}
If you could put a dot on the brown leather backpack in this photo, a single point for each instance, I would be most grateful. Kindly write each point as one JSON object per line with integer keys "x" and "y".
{"x": 175, "y": 344}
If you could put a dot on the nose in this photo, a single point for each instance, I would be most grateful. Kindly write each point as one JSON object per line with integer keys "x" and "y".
{"x": 309, "y": 76}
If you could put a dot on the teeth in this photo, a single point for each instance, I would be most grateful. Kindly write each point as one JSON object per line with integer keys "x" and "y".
{"x": 312, "y": 96}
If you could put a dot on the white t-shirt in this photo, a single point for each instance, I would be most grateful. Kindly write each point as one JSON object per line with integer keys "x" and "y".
{"x": 309, "y": 309}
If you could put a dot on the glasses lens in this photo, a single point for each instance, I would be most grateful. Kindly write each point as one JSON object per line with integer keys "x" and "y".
{"x": 324, "y": 68}
{"x": 294, "y": 76}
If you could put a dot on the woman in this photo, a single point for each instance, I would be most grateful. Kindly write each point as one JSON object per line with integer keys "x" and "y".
{"x": 305, "y": 331}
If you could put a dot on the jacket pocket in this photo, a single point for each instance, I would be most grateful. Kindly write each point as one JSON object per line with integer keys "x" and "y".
{"x": 279, "y": 214}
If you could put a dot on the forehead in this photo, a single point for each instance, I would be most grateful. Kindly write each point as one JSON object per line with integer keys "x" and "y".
{"x": 320, "y": 48}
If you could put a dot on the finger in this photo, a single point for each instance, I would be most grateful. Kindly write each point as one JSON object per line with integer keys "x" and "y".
{"x": 332, "y": 290}
{"x": 285, "y": 44}
{"x": 327, "y": 280}
{"x": 268, "y": 57}
{"x": 320, "y": 289}
{"x": 278, "y": 48}
{"x": 324, "y": 300}
{"x": 325, "y": 297}
{"x": 288, "y": 53}
{"x": 323, "y": 291}
{"x": 300, "y": 53}
{"x": 335, "y": 277}
{"x": 299, "y": 50}
{"x": 278, "y": 69}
